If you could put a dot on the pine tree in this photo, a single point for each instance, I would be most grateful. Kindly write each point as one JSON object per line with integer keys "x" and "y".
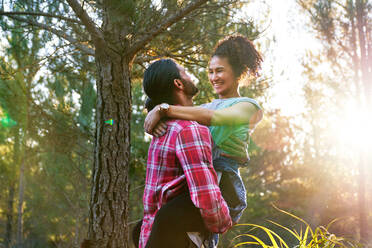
{"x": 120, "y": 34}
{"x": 345, "y": 30}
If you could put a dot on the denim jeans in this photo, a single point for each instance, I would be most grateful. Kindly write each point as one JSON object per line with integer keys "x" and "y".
{"x": 232, "y": 189}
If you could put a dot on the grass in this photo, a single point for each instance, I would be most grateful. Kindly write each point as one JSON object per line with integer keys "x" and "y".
{"x": 320, "y": 237}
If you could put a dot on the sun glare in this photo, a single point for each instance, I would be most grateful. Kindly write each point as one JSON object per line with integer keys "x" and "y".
{"x": 354, "y": 128}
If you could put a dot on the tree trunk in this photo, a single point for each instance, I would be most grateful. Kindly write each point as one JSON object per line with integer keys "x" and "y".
{"x": 9, "y": 217}
{"x": 12, "y": 185}
{"x": 361, "y": 16}
{"x": 109, "y": 196}
{"x": 362, "y": 199}
{"x": 77, "y": 229}
{"x": 20, "y": 205}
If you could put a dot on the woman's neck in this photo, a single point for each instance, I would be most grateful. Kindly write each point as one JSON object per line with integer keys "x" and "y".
{"x": 230, "y": 95}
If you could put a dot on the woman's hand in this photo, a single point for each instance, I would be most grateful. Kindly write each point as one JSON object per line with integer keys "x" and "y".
{"x": 152, "y": 119}
{"x": 160, "y": 129}
{"x": 236, "y": 146}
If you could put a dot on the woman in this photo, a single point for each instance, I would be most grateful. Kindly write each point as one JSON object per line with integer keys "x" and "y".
{"x": 231, "y": 118}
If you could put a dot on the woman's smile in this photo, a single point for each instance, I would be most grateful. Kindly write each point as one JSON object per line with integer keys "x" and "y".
{"x": 222, "y": 78}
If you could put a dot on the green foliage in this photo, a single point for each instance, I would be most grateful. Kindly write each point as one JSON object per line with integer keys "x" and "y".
{"x": 343, "y": 28}
{"x": 7, "y": 121}
{"x": 139, "y": 148}
{"x": 54, "y": 112}
{"x": 324, "y": 19}
{"x": 190, "y": 41}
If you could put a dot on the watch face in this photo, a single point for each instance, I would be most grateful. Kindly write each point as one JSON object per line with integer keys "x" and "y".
{"x": 164, "y": 106}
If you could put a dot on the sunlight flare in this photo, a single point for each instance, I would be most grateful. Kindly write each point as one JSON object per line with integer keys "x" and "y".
{"x": 354, "y": 128}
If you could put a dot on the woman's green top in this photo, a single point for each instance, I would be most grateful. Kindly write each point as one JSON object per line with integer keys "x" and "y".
{"x": 226, "y": 137}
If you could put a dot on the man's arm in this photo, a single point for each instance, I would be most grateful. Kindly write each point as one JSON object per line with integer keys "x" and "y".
{"x": 193, "y": 148}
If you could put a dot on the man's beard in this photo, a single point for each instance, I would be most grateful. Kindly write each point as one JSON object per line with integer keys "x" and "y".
{"x": 190, "y": 88}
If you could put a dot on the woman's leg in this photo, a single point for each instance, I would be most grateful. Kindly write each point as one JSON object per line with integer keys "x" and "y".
{"x": 234, "y": 193}
{"x": 172, "y": 221}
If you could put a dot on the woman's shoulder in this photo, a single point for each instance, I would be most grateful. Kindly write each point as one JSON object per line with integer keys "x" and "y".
{"x": 246, "y": 99}
{"x": 232, "y": 101}
{"x": 227, "y": 102}
{"x": 211, "y": 105}
{"x": 243, "y": 99}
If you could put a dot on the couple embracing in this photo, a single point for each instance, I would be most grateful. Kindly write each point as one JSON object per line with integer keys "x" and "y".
{"x": 193, "y": 187}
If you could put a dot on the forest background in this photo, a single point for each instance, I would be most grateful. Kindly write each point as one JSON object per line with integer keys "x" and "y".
{"x": 67, "y": 67}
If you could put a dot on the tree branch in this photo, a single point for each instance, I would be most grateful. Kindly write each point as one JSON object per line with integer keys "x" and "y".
{"x": 144, "y": 59}
{"x": 164, "y": 25}
{"x": 59, "y": 33}
{"x": 40, "y": 14}
{"x": 96, "y": 33}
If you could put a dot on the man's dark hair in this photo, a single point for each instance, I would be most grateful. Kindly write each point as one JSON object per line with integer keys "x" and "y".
{"x": 158, "y": 82}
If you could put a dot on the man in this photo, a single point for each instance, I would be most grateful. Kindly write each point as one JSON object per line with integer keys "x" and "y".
{"x": 181, "y": 192}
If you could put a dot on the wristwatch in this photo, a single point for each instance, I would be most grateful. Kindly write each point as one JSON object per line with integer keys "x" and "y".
{"x": 163, "y": 108}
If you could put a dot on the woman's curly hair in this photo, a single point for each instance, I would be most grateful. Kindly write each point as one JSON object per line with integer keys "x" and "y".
{"x": 240, "y": 53}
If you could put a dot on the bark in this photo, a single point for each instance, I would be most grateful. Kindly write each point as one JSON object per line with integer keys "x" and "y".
{"x": 77, "y": 229}
{"x": 354, "y": 52}
{"x": 20, "y": 206}
{"x": 359, "y": 94}
{"x": 109, "y": 196}
{"x": 362, "y": 199}
{"x": 9, "y": 218}
{"x": 11, "y": 195}
{"x": 361, "y": 17}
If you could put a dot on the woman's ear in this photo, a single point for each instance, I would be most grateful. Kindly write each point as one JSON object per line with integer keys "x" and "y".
{"x": 178, "y": 84}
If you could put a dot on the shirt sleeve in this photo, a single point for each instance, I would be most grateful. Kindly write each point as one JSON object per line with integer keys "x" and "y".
{"x": 193, "y": 149}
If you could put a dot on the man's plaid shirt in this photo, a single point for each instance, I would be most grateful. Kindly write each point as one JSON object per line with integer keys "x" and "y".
{"x": 181, "y": 161}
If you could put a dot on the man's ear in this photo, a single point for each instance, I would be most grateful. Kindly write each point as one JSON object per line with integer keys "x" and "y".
{"x": 178, "y": 84}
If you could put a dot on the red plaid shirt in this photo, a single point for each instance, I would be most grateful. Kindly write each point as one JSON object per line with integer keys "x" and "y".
{"x": 181, "y": 160}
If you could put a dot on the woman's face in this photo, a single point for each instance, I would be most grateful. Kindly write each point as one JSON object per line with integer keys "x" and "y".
{"x": 222, "y": 77}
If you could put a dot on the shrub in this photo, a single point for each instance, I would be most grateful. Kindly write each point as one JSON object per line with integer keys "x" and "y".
{"x": 320, "y": 237}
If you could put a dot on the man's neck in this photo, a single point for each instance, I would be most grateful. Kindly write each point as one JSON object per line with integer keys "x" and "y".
{"x": 183, "y": 100}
